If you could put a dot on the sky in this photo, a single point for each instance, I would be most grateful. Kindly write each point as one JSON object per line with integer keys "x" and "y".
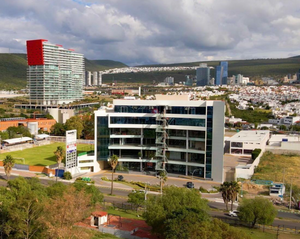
{"x": 139, "y": 32}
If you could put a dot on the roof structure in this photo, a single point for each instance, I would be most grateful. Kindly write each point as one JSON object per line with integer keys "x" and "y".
{"x": 17, "y": 140}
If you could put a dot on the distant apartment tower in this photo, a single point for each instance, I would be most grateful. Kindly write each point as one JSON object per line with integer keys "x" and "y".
{"x": 222, "y": 73}
{"x": 189, "y": 80}
{"x": 55, "y": 74}
{"x": 169, "y": 80}
{"x": 88, "y": 78}
{"x": 203, "y": 75}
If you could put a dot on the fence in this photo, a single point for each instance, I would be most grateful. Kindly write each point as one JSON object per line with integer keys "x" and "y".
{"x": 63, "y": 139}
{"x": 279, "y": 228}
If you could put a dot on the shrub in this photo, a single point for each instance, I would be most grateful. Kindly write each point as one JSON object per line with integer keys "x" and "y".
{"x": 203, "y": 190}
{"x": 104, "y": 179}
{"x": 67, "y": 175}
{"x": 255, "y": 153}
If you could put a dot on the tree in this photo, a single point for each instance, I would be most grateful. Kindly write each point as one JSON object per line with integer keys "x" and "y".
{"x": 257, "y": 210}
{"x": 88, "y": 126}
{"x": 8, "y": 164}
{"x": 225, "y": 191}
{"x": 234, "y": 190}
{"x": 58, "y": 129}
{"x": 95, "y": 195}
{"x": 283, "y": 127}
{"x": 229, "y": 192}
{"x": 75, "y": 122}
{"x": 162, "y": 179}
{"x": 191, "y": 223}
{"x": 136, "y": 198}
{"x": 160, "y": 208}
{"x": 59, "y": 154}
{"x": 70, "y": 208}
{"x": 113, "y": 162}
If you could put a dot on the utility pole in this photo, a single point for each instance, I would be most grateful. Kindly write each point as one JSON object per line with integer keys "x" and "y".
{"x": 291, "y": 193}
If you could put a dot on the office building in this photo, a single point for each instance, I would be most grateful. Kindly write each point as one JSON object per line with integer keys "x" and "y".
{"x": 189, "y": 80}
{"x": 203, "y": 75}
{"x": 169, "y": 80}
{"x": 55, "y": 75}
{"x": 222, "y": 73}
{"x": 170, "y": 133}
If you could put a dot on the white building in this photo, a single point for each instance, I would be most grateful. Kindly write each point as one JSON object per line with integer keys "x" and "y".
{"x": 55, "y": 74}
{"x": 245, "y": 141}
{"x": 170, "y": 133}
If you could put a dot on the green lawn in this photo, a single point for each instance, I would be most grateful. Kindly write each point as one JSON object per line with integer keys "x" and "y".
{"x": 125, "y": 214}
{"x": 42, "y": 155}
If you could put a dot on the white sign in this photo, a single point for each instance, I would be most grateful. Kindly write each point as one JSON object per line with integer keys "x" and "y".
{"x": 71, "y": 146}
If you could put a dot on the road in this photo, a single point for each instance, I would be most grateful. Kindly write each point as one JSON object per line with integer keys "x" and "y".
{"x": 215, "y": 200}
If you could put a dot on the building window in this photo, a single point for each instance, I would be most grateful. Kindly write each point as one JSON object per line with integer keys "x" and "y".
{"x": 102, "y": 138}
{"x": 237, "y": 144}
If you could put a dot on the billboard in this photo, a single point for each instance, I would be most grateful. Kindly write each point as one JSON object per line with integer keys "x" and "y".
{"x": 71, "y": 149}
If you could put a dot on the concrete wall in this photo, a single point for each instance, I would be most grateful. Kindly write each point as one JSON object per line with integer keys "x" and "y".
{"x": 218, "y": 141}
{"x": 247, "y": 171}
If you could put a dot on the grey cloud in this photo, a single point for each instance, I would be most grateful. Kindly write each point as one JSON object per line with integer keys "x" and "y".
{"x": 139, "y": 32}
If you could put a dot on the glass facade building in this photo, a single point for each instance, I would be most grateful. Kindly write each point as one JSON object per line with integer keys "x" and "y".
{"x": 55, "y": 74}
{"x": 222, "y": 73}
{"x": 203, "y": 75}
{"x": 180, "y": 137}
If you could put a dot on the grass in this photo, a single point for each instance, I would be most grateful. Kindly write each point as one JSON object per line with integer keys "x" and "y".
{"x": 123, "y": 213}
{"x": 268, "y": 234}
{"x": 41, "y": 155}
{"x": 274, "y": 167}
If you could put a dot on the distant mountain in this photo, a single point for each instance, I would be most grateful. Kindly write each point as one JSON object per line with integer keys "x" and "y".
{"x": 295, "y": 57}
{"x": 13, "y": 69}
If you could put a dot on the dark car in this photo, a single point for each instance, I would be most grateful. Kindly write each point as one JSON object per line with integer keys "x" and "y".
{"x": 120, "y": 178}
{"x": 190, "y": 185}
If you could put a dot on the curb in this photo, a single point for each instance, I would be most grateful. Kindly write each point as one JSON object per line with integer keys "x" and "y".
{"x": 288, "y": 212}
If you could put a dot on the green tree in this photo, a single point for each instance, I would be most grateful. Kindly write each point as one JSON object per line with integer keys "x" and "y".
{"x": 58, "y": 129}
{"x": 234, "y": 190}
{"x": 59, "y": 154}
{"x": 20, "y": 131}
{"x": 283, "y": 127}
{"x": 184, "y": 223}
{"x": 113, "y": 162}
{"x": 160, "y": 208}
{"x": 56, "y": 189}
{"x": 8, "y": 164}
{"x": 75, "y": 122}
{"x": 257, "y": 210}
{"x": 95, "y": 195}
{"x": 136, "y": 198}
{"x": 162, "y": 179}
{"x": 88, "y": 126}
{"x": 225, "y": 191}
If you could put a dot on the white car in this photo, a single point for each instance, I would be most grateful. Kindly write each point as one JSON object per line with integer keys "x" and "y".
{"x": 233, "y": 213}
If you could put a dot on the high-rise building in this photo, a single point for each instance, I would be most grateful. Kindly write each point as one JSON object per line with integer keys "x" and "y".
{"x": 170, "y": 133}
{"x": 189, "y": 80}
{"x": 169, "y": 80}
{"x": 55, "y": 75}
{"x": 222, "y": 73}
{"x": 88, "y": 78}
{"x": 203, "y": 75}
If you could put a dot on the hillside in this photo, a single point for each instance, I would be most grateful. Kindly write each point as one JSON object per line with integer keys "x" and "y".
{"x": 13, "y": 69}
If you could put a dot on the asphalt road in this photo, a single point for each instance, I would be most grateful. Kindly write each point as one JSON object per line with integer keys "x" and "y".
{"x": 214, "y": 202}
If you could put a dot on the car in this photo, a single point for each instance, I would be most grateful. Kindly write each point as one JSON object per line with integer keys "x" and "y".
{"x": 120, "y": 178}
{"x": 190, "y": 185}
{"x": 233, "y": 213}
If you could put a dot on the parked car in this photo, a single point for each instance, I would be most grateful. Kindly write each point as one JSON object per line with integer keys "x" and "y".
{"x": 190, "y": 185}
{"x": 233, "y": 213}
{"x": 120, "y": 178}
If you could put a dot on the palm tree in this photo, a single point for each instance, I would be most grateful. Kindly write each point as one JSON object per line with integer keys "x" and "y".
{"x": 162, "y": 178}
{"x": 225, "y": 190}
{"x": 8, "y": 164}
{"x": 113, "y": 161}
{"x": 234, "y": 189}
{"x": 59, "y": 154}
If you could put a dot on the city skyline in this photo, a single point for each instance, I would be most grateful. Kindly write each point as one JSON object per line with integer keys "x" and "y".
{"x": 138, "y": 32}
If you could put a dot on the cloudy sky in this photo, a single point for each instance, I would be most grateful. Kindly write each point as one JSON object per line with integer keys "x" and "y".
{"x": 156, "y": 31}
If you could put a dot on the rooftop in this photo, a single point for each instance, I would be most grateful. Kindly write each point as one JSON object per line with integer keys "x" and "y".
{"x": 250, "y": 135}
